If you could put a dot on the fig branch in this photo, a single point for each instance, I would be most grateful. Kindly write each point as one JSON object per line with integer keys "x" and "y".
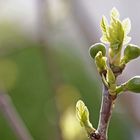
{"x": 110, "y": 65}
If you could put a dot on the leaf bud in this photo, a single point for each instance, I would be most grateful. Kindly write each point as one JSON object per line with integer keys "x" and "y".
{"x": 100, "y": 61}
{"x": 131, "y": 52}
{"x": 111, "y": 80}
{"x": 94, "y": 49}
{"x": 82, "y": 114}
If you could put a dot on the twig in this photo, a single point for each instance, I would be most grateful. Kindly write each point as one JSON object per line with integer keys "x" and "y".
{"x": 105, "y": 115}
{"x": 13, "y": 118}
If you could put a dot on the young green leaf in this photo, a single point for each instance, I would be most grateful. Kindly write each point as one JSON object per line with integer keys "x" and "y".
{"x": 132, "y": 85}
{"x": 82, "y": 114}
{"x": 131, "y": 52}
{"x": 94, "y": 49}
{"x": 100, "y": 61}
{"x": 110, "y": 76}
{"x": 104, "y": 28}
{"x": 111, "y": 80}
{"x": 115, "y": 34}
{"x": 126, "y": 23}
{"x": 114, "y": 13}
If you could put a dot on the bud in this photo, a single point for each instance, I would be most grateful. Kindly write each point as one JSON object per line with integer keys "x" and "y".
{"x": 131, "y": 52}
{"x": 94, "y": 49}
{"x": 114, "y": 55}
{"x": 110, "y": 76}
{"x": 82, "y": 114}
{"x": 111, "y": 80}
{"x": 100, "y": 62}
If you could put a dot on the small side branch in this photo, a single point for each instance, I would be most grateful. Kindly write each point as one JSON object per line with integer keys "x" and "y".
{"x": 13, "y": 118}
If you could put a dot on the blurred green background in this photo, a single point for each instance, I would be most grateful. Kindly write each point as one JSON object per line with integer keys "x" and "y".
{"x": 45, "y": 68}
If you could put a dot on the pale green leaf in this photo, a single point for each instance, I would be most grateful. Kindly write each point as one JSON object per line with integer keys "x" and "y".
{"x": 116, "y": 32}
{"x": 126, "y": 23}
{"x": 104, "y": 28}
{"x": 82, "y": 113}
{"x": 110, "y": 77}
{"x": 127, "y": 39}
{"x": 114, "y": 13}
{"x": 104, "y": 24}
{"x": 104, "y": 39}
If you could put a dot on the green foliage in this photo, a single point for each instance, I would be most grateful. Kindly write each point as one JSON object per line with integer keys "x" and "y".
{"x": 115, "y": 34}
{"x": 104, "y": 27}
{"x": 100, "y": 61}
{"x": 111, "y": 80}
{"x": 82, "y": 114}
{"x": 132, "y": 85}
{"x": 131, "y": 52}
{"x": 94, "y": 49}
{"x": 110, "y": 76}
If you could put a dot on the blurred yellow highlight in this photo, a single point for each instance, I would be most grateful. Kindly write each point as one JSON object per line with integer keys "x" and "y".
{"x": 8, "y": 74}
{"x": 71, "y": 128}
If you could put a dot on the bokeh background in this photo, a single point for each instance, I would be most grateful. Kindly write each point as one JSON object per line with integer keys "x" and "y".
{"x": 45, "y": 67}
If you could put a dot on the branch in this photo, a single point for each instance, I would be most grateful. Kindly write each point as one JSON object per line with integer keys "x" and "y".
{"x": 105, "y": 115}
{"x": 13, "y": 118}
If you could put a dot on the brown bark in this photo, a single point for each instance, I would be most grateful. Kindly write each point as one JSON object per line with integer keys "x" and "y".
{"x": 105, "y": 115}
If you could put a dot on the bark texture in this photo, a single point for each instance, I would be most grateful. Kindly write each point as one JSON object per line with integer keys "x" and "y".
{"x": 105, "y": 115}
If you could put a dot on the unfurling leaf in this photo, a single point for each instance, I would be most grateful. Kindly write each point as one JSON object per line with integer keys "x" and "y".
{"x": 111, "y": 80}
{"x": 104, "y": 28}
{"x": 82, "y": 114}
{"x": 115, "y": 34}
{"x": 110, "y": 76}
{"x": 94, "y": 49}
{"x": 100, "y": 61}
{"x": 126, "y": 23}
{"x": 127, "y": 39}
{"x": 114, "y": 13}
{"x": 132, "y": 85}
{"x": 131, "y": 52}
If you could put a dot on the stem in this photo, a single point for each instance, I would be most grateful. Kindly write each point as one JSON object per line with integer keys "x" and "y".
{"x": 120, "y": 88}
{"x": 105, "y": 115}
{"x": 13, "y": 118}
